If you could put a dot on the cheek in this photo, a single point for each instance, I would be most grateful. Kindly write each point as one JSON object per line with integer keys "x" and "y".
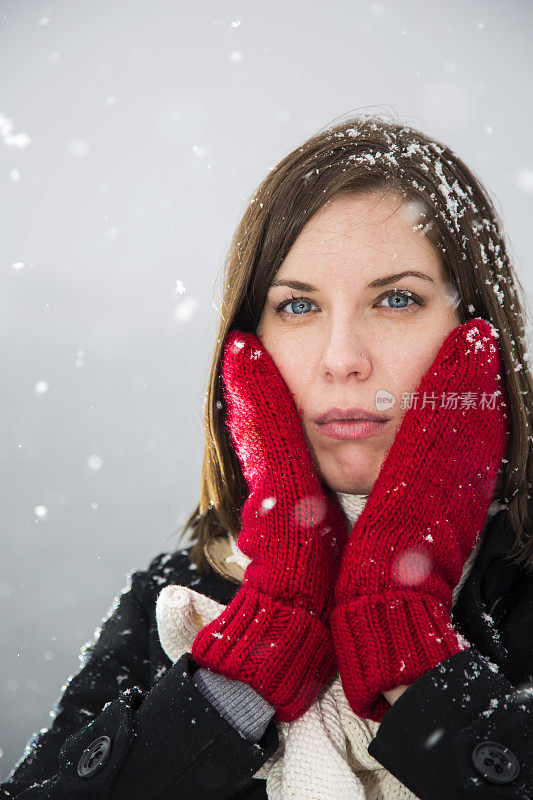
{"x": 413, "y": 361}
{"x": 296, "y": 367}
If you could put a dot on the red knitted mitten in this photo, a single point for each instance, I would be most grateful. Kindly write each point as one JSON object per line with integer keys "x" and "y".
{"x": 273, "y": 634}
{"x": 405, "y": 554}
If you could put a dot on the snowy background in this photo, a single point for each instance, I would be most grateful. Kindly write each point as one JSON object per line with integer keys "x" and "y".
{"x": 131, "y": 136}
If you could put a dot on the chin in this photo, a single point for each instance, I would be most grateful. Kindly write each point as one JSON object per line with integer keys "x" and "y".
{"x": 338, "y": 484}
{"x": 349, "y": 472}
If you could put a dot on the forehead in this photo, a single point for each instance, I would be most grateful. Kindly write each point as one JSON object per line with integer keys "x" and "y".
{"x": 362, "y": 234}
{"x": 378, "y": 214}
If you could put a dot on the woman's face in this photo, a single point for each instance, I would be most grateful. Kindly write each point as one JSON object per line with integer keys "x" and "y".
{"x": 347, "y": 343}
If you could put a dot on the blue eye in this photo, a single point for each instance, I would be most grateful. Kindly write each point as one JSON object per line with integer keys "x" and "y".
{"x": 404, "y": 297}
{"x": 298, "y": 302}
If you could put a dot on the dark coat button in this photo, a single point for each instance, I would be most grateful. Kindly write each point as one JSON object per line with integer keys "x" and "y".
{"x": 94, "y": 757}
{"x": 495, "y": 762}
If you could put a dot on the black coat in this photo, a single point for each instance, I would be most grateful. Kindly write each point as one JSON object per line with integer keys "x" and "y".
{"x": 131, "y": 725}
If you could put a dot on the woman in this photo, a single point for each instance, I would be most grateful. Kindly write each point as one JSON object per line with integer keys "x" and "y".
{"x": 357, "y": 595}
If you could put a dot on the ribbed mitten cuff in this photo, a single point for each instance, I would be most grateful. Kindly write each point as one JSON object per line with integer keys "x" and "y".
{"x": 284, "y": 652}
{"x": 386, "y": 640}
{"x": 238, "y": 703}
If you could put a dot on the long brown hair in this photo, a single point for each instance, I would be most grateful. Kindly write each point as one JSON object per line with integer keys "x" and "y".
{"x": 369, "y": 153}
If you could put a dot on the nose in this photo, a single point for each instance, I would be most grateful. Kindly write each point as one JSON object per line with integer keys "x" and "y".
{"x": 346, "y": 353}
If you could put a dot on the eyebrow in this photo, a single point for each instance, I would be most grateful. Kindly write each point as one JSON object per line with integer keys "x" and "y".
{"x": 388, "y": 279}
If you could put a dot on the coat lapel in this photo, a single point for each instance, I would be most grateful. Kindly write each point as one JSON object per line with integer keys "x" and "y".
{"x": 487, "y": 610}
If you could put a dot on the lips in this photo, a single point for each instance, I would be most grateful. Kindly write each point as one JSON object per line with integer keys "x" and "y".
{"x": 352, "y": 429}
{"x": 346, "y": 414}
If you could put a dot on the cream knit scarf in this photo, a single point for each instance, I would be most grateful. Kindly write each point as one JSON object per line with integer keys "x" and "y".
{"x": 323, "y": 754}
